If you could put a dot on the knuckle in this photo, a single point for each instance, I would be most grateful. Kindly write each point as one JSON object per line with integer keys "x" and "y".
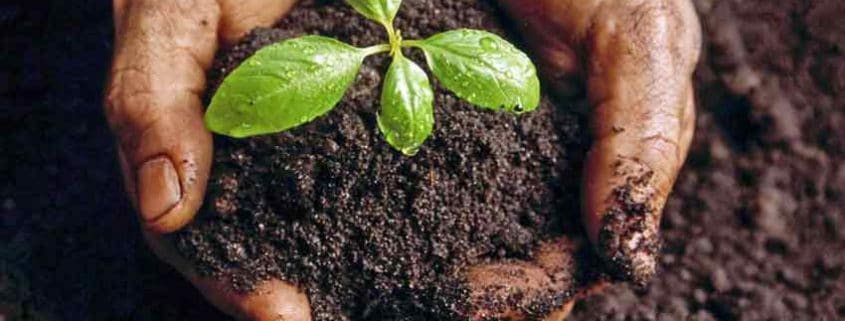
{"x": 666, "y": 150}
{"x": 654, "y": 30}
{"x": 130, "y": 112}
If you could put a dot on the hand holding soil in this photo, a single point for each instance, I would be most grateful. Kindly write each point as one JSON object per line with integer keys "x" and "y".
{"x": 154, "y": 106}
{"x": 636, "y": 59}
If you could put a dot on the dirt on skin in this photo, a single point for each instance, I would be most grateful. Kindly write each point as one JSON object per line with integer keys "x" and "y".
{"x": 371, "y": 234}
{"x": 631, "y": 217}
{"x": 754, "y": 230}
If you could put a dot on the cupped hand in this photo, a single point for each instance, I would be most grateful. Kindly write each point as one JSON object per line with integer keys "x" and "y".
{"x": 636, "y": 58}
{"x": 154, "y": 106}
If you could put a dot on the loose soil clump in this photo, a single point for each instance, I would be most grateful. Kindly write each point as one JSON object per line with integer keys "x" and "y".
{"x": 371, "y": 234}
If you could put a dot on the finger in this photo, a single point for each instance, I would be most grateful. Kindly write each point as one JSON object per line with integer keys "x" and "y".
{"x": 241, "y": 16}
{"x": 273, "y": 300}
{"x": 154, "y": 108}
{"x": 153, "y": 103}
{"x": 639, "y": 84}
{"x": 638, "y": 57}
{"x": 541, "y": 289}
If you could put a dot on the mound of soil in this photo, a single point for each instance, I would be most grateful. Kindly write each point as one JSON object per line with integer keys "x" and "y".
{"x": 371, "y": 234}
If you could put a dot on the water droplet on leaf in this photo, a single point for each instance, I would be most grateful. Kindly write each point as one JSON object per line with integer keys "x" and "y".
{"x": 488, "y": 43}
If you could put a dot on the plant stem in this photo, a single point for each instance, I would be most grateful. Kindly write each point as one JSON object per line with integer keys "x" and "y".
{"x": 391, "y": 32}
{"x": 396, "y": 42}
{"x": 372, "y": 50}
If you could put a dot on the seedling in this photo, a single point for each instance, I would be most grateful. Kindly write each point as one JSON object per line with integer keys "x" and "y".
{"x": 292, "y": 82}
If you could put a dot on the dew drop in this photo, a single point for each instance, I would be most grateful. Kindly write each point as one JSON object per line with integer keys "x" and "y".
{"x": 518, "y": 108}
{"x": 488, "y": 43}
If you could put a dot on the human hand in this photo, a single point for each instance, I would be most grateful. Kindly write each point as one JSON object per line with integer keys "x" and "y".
{"x": 154, "y": 107}
{"x": 636, "y": 58}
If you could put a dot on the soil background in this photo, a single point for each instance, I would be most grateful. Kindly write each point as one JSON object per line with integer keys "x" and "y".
{"x": 754, "y": 230}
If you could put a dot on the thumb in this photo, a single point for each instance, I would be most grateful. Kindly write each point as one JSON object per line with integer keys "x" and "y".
{"x": 638, "y": 58}
{"x": 641, "y": 59}
{"x": 153, "y": 105}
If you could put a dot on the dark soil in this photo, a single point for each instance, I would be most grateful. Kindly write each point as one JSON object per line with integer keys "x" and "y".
{"x": 754, "y": 231}
{"x": 371, "y": 234}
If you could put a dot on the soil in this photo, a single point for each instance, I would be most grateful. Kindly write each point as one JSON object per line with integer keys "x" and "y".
{"x": 371, "y": 234}
{"x": 754, "y": 230}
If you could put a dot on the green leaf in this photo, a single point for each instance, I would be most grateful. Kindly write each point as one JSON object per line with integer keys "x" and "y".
{"x": 483, "y": 69}
{"x": 407, "y": 115}
{"x": 382, "y": 11}
{"x": 283, "y": 86}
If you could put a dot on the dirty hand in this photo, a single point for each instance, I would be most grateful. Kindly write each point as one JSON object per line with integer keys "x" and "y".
{"x": 636, "y": 58}
{"x": 153, "y": 104}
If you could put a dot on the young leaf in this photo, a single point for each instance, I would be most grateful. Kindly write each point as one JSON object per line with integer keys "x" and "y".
{"x": 483, "y": 69}
{"x": 407, "y": 114}
{"x": 382, "y": 11}
{"x": 283, "y": 86}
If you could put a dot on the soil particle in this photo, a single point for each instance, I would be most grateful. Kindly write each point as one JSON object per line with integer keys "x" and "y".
{"x": 374, "y": 235}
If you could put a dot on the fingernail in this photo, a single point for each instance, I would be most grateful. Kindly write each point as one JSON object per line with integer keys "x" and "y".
{"x": 158, "y": 188}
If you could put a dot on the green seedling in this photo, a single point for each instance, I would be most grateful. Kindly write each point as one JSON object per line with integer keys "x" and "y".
{"x": 292, "y": 82}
